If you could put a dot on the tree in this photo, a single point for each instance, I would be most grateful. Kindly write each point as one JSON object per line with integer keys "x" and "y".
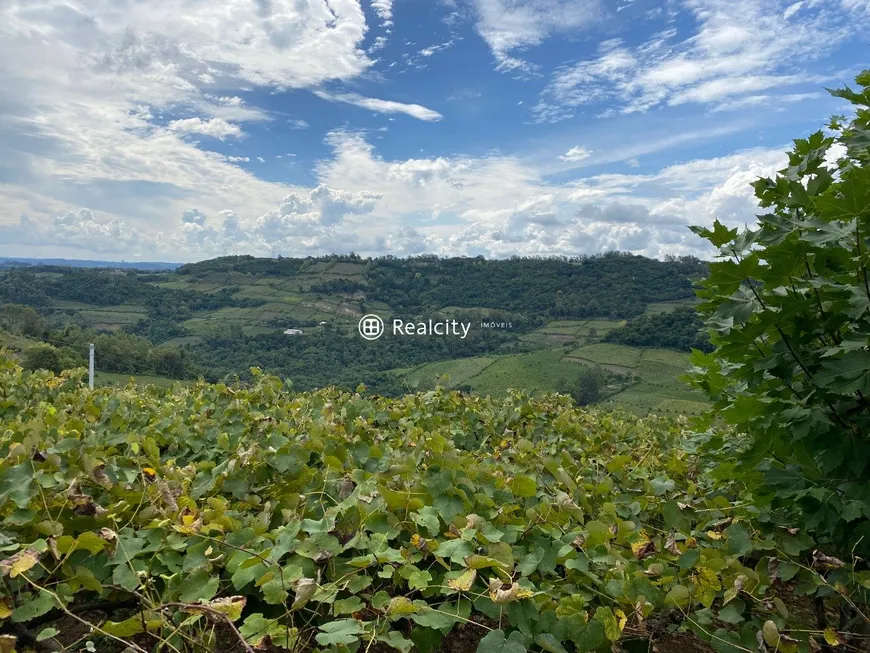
{"x": 22, "y": 320}
{"x": 586, "y": 390}
{"x": 788, "y": 306}
{"x": 42, "y": 357}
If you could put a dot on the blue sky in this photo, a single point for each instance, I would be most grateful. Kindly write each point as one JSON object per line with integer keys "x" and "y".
{"x": 188, "y": 129}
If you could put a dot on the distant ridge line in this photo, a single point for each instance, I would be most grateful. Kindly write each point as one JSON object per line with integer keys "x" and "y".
{"x": 17, "y": 261}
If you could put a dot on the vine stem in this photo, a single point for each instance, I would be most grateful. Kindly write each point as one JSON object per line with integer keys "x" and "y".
{"x": 60, "y": 604}
{"x": 217, "y": 613}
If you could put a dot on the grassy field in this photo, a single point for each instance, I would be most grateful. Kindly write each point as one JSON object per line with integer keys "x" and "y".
{"x": 665, "y": 307}
{"x": 14, "y": 343}
{"x": 607, "y": 354}
{"x": 656, "y": 387}
{"x": 452, "y": 373}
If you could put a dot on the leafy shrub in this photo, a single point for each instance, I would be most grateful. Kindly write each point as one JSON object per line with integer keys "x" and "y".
{"x": 42, "y": 357}
{"x": 789, "y": 305}
{"x": 334, "y": 521}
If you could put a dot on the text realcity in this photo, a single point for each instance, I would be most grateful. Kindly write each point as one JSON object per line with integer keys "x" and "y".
{"x": 445, "y": 328}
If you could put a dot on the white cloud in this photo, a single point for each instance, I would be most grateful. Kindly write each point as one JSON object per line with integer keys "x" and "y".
{"x": 509, "y": 26}
{"x": 384, "y": 10}
{"x": 381, "y": 106}
{"x": 77, "y": 230}
{"x": 104, "y": 94}
{"x": 215, "y": 127}
{"x": 740, "y": 47}
{"x": 434, "y": 49}
{"x": 495, "y": 206}
{"x": 238, "y": 159}
{"x": 379, "y": 43}
{"x": 298, "y": 124}
{"x": 577, "y": 153}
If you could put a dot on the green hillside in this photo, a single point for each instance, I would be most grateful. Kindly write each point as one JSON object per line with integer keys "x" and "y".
{"x": 218, "y": 319}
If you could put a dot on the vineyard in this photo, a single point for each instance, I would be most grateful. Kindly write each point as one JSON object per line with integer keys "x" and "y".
{"x": 254, "y": 518}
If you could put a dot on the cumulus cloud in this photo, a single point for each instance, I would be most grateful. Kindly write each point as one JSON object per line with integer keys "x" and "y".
{"x": 77, "y": 230}
{"x": 215, "y": 127}
{"x": 381, "y": 106}
{"x": 493, "y": 206}
{"x": 102, "y": 107}
{"x": 312, "y": 221}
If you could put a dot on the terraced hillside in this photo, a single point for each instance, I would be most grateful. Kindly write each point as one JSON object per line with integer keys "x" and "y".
{"x": 231, "y": 314}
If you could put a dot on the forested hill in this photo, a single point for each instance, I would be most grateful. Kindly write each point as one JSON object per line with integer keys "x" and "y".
{"x": 222, "y": 317}
{"x": 616, "y": 285}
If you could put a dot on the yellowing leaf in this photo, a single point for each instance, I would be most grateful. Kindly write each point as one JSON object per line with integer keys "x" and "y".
{"x": 5, "y": 610}
{"x": 464, "y": 582}
{"x": 831, "y": 636}
{"x": 401, "y": 606}
{"x": 230, "y": 606}
{"x": 643, "y": 549}
{"x": 499, "y": 593}
{"x": 622, "y": 618}
{"x": 770, "y": 633}
{"x": 713, "y": 535}
{"x": 19, "y": 563}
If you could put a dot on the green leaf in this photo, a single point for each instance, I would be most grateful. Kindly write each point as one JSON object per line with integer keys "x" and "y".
{"x": 125, "y": 577}
{"x": 523, "y": 486}
{"x": 678, "y": 597}
{"x": 739, "y": 543}
{"x": 674, "y": 518}
{"x": 496, "y": 642}
{"x": 397, "y": 641}
{"x": 347, "y": 606}
{"x": 608, "y": 620}
{"x": 588, "y": 637}
{"x": 848, "y": 375}
{"x": 419, "y": 580}
{"x": 34, "y": 607}
{"x": 733, "y": 612}
{"x": 341, "y": 631}
{"x": 46, "y": 633}
{"x": 549, "y": 643}
{"x": 199, "y": 586}
{"x": 127, "y": 628}
{"x": 427, "y": 518}
{"x": 256, "y": 629}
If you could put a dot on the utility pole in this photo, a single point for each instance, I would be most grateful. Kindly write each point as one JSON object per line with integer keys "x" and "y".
{"x": 91, "y": 368}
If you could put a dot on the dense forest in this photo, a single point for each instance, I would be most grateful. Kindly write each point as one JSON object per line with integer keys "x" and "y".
{"x": 110, "y": 287}
{"x": 681, "y": 329}
{"x": 612, "y": 285}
